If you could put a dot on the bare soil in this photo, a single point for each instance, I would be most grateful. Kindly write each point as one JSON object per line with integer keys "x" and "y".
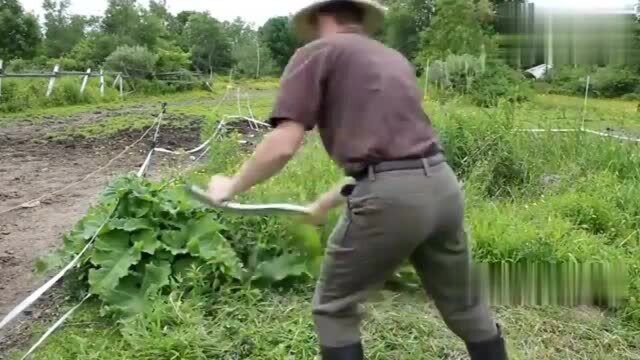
{"x": 31, "y": 166}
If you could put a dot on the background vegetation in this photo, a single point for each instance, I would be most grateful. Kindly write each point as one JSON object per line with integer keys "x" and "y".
{"x": 456, "y": 39}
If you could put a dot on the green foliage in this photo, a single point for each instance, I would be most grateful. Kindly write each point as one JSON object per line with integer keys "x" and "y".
{"x": 62, "y": 31}
{"x": 132, "y": 60}
{"x": 173, "y": 59}
{"x": 210, "y": 48}
{"x": 457, "y": 28}
{"x": 20, "y": 31}
{"x": 278, "y": 37}
{"x": 606, "y": 82}
{"x": 94, "y": 49}
{"x": 405, "y": 20}
{"x": 457, "y": 71}
{"x": 499, "y": 82}
{"x": 20, "y": 95}
{"x": 251, "y": 56}
{"x": 484, "y": 84}
{"x": 614, "y": 82}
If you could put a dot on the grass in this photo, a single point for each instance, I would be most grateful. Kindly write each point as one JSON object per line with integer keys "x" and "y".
{"x": 254, "y": 324}
{"x": 551, "y": 198}
{"x": 555, "y": 111}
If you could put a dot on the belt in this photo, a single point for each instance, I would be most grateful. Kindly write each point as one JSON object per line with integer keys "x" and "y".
{"x": 396, "y": 165}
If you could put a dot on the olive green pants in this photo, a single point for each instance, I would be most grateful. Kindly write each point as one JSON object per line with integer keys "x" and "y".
{"x": 391, "y": 217}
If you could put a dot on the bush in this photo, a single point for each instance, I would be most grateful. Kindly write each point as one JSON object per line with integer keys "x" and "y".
{"x": 23, "y": 94}
{"x": 607, "y": 82}
{"x": 458, "y": 71}
{"x": 486, "y": 85}
{"x": 173, "y": 59}
{"x": 136, "y": 61}
{"x": 613, "y": 82}
{"x": 632, "y": 97}
{"x": 497, "y": 82}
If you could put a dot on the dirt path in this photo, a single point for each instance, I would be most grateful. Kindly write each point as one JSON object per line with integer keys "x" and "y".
{"x": 31, "y": 167}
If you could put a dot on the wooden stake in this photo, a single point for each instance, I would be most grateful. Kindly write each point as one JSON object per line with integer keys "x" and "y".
{"x": 1, "y": 72}
{"x": 586, "y": 96}
{"x": 101, "y": 82}
{"x": 115, "y": 82}
{"x": 426, "y": 77}
{"x": 84, "y": 81}
{"x": 121, "y": 86}
{"x": 52, "y": 80}
{"x": 446, "y": 73}
{"x": 466, "y": 73}
{"x": 258, "y": 47}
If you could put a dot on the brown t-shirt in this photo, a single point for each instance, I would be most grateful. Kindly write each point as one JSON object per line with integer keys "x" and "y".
{"x": 361, "y": 95}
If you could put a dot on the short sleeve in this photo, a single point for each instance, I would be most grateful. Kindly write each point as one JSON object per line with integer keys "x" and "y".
{"x": 301, "y": 86}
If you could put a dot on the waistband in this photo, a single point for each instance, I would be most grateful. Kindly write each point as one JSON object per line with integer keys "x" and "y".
{"x": 396, "y": 165}
{"x": 432, "y": 157}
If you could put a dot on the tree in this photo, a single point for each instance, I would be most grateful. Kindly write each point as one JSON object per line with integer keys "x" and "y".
{"x": 244, "y": 41}
{"x": 406, "y": 19}
{"x": 20, "y": 31}
{"x": 176, "y": 27}
{"x": 62, "y": 31}
{"x": 278, "y": 37}
{"x": 132, "y": 60}
{"x": 457, "y": 28}
{"x": 133, "y": 25}
{"x": 210, "y": 48}
{"x": 94, "y": 49}
{"x": 159, "y": 10}
{"x": 249, "y": 62}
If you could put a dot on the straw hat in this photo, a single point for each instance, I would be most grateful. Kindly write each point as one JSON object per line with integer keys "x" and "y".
{"x": 373, "y": 17}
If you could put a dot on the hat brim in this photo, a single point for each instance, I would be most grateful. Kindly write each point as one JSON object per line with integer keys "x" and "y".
{"x": 303, "y": 19}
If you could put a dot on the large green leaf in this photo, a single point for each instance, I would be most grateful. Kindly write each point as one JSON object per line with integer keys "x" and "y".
{"x": 175, "y": 241}
{"x": 90, "y": 225}
{"x": 145, "y": 241}
{"x": 206, "y": 242}
{"x": 280, "y": 268}
{"x": 131, "y": 224}
{"x": 113, "y": 255}
{"x": 175, "y": 200}
{"x": 132, "y": 294}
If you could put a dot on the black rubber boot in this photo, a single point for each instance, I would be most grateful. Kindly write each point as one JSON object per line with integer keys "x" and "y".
{"x": 351, "y": 352}
{"x": 494, "y": 349}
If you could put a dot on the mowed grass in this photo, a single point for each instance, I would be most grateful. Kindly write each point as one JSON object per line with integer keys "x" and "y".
{"x": 548, "y": 198}
{"x": 555, "y": 111}
{"x": 256, "y": 324}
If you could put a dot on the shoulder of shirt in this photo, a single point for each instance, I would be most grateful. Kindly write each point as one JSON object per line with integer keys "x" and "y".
{"x": 314, "y": 46}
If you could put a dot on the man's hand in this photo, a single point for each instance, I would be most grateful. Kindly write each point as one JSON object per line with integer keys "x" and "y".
{"x": 327, "y": 201}
{"x": 221, "y": 188}
{"x": 319, "y": 214}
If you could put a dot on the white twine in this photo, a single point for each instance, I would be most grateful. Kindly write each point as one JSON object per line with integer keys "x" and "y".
{"x": 42, "y": 289}
{"x": 55, "y": 326}
{"x": 599, "y": 133}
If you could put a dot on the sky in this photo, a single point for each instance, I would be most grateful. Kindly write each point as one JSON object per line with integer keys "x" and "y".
{"x": 253, "y": 11}
{"x": 259, "y": 11}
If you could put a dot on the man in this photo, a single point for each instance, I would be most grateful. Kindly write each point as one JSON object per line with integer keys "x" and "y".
{"x": 405, "y": 203}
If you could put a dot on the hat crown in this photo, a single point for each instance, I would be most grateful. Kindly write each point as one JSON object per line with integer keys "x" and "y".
{"x": 373, "y": 19}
